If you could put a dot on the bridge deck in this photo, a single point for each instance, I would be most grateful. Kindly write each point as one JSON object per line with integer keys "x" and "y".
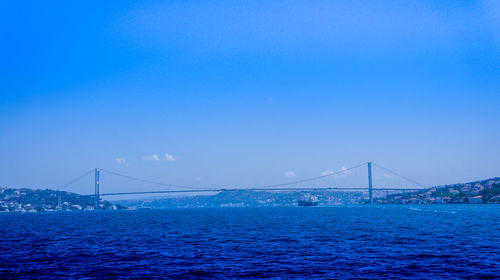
{"x": 259, "y": 189}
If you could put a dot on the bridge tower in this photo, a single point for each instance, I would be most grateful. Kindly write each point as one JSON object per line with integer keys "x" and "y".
{"x": 96, "y": 189}
{"x": 370, "y": 182}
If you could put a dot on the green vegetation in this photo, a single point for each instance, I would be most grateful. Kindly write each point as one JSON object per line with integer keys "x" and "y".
{"x": 486, "y": 191}
{"x": 29, "y": 200}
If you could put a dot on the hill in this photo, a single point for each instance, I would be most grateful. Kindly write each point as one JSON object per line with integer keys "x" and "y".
{"x": 29, "y": 200}
{"x": 37, "y": 200}
{"x": 485, "y": 191}
{"x": 248, "y": 199}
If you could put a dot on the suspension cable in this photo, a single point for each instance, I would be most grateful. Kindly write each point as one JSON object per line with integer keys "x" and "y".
{"x": 209, "y": 189}
{"x": 151, "y": 182}
{"x": 399, "y": 175}
{"x": 314, "y": 178}
{"x": 75, "y": 180}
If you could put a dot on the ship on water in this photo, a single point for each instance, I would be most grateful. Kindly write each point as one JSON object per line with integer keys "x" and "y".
{"x": 308, "y": 200}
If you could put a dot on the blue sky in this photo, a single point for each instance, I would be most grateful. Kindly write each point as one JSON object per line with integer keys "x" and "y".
{"x": 242, "y": 93}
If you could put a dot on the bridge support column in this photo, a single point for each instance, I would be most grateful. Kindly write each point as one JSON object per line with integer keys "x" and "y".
{"x": 96, "y": 189}
{"x": 370, "y": 182}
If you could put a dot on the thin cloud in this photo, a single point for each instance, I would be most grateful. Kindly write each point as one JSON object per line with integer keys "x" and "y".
{"x": 326, "y": 172}
{"x": 121, "y": 161}
{"x": 156, "y": 157}
{"x": 345, "y": 172}
{"x": 169, "y": 157}
{"x": 153, "y": 157}
{"x": 388, "y": 176}
{"x": 385, "y": 176}
{"x": 290, "y": 174}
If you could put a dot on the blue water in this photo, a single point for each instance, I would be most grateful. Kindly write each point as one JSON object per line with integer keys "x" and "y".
{"x": 399, "y": 242}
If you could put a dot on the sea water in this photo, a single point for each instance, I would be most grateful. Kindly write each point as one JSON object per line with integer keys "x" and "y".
{"x": 364, "y": 242}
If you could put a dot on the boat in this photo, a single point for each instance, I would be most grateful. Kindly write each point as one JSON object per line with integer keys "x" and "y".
{"x": 307, "y": 203}
{"x": 309, "y": 200}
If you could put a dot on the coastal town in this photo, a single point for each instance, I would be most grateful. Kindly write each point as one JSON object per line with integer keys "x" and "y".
{"x": 480, "y": 192}
{"x": 29, "y": 200}
{"x": 37, "y": 200}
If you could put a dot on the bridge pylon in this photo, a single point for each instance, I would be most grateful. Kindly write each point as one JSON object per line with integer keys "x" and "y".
{"x": 96, "y": 189}
{"x": 370, "y": 182}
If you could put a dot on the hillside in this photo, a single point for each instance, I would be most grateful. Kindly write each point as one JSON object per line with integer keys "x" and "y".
{"x": 248, "y": 199}
{"x": 485, "y": 191}
{"x": 29, "y": 200}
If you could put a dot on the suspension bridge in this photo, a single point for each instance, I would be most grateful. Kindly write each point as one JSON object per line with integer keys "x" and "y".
{"x": 287, "y": 186}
